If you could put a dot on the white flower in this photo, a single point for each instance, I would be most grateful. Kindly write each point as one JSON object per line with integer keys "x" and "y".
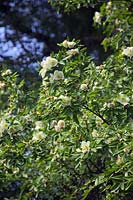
{"x": 58, "y": 75}
{"x": 65, "y": 43}
{"x": 51, "y": 62}
{"x": 38, "y": 136}
{"x": 68, "y": 44}
{"x": 47, "y": 65}
{"x": 3, "y": 126}
{"x": 38, "y": 125}
{"x": 71, "y": 44}
{"x": 97, "y": 17}
{"x": 123, "y": 99}
{"x": 95, "y": 133}
{"x": 85, "y": 146}
{"x": 128, "y": 52}
{"x": 61, "y": 124}
{"x": 72, "y": 52}
{"x": 7, "y": 72}
{"x": 84, "y": 87}
{"x": 66, "y": 100}
{"x": 109, "y": 5}
{"x": 58, "y": 126}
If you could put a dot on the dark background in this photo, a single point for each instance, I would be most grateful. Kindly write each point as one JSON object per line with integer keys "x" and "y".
{"x": 30, "y": 30}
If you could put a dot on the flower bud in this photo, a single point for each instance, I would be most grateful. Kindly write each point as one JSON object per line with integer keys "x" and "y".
{"x": 61, "y": 124}
{"x": 84, "y": 87}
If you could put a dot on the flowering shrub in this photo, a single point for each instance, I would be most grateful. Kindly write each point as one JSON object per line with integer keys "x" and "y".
{"x": 74, "y": 138}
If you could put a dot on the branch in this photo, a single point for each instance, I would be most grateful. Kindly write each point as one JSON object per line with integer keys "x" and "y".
{"x": 99, "y": 115}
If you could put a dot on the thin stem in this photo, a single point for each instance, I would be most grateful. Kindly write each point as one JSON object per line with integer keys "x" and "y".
{"x": 99, "y": 115}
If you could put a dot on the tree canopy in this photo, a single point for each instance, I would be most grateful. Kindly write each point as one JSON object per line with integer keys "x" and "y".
{"x": 72, "y": 136}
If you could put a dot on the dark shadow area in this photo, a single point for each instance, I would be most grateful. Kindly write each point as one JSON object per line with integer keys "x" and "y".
{"x": 30, "y": 30}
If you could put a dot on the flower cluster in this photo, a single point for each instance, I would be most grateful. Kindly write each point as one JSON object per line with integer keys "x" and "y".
{"x": 50, "y": 62}
{"x": 58, "y": 125}
{"x": 47, "y": 65}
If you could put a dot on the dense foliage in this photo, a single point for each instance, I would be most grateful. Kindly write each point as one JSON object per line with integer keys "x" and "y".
{"x": 73, "y": 137}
